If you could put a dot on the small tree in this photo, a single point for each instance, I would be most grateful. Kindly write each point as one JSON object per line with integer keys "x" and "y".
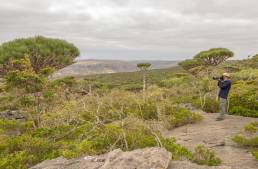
{"x": 211, "y": 58}
{"x": 144, "y": 67}
{"x": 204, "y": 63}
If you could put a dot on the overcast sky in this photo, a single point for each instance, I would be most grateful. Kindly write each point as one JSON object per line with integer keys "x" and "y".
{"x": 136, "y": 29}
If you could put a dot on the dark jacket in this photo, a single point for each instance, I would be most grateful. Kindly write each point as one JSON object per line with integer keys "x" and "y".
{"x": 224, "y": 86}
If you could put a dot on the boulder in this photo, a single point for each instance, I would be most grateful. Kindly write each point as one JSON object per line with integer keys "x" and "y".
{"x": 148, "y": 158}
{"x": 12, "y": 115}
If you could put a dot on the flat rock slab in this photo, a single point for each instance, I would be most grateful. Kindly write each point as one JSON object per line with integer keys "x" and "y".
{"x": 148, "y": 158}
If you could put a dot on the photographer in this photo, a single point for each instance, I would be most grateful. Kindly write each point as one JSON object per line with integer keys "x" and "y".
{"x": 224, "y": 84}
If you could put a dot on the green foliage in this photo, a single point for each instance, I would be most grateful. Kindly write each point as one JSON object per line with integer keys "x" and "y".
{"x": 43, "y": 52}
{"x": 178, "y": 152}
{"x": 243, "y": 99}
{"x": 255, "y": 154}
{"x": 19, "y": 160}
{"x": 177, "y": 116}
{"x": 29, "y": 81}
{"x": 190, "y": 64}
{"x": 246, "y": 74}
{"x": 8, "y": 124}
{"x": 23, "y": 151}
{"x": 68, "y": 81}
{"x": 146, "y": 111}
{"x": 251, "y": 62}
{"x": 176, "y": 81}
{"x": 211, "y": 105}
{"x": 246, "y": 142}
{"x": 205, "y": 156}
{"x": 242, "y": 111}
{"x": 122, "y": 80}
{"x": 252, "y": 127}
{"x": 214, "y": 56}
{"x": 143, "y": 66}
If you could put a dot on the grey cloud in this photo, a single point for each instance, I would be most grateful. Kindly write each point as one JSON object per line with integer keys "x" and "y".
{"x": 136, "y": 29}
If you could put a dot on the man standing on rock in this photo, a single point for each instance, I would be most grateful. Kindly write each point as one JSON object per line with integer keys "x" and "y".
{"x": 224, "y": 84}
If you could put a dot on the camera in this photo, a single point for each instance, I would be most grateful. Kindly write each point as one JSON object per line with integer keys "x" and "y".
{"x": 218, "y": 78}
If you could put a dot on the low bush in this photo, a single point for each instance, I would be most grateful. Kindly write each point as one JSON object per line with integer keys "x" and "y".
{"x": 177, "y": 116}
{"x": 242, "y": 111}
{"x": 178, "y": 152}
{"x": 172, "y": 81}
{"x": 211, "y": 105}
{"x": 147, "y": 111}
{"x": 255, "y": 153}
{"x": 252, "y": 127}
{"x": 205, "y": 156}
{"x": 246, "y": 142}
{"x": 23, "y": 151}
{"x": 243, "y": 99}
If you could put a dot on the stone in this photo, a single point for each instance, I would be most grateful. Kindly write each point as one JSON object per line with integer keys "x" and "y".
{"x": 148, "y": 158}
{"x": 12, "y": 115}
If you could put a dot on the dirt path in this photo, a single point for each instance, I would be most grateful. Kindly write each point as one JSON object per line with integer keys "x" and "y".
{"x": 217, "y": 135}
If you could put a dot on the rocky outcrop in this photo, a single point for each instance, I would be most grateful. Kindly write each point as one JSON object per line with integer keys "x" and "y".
{"x": 148, "y": 158}
{"x": 12, "y": 115}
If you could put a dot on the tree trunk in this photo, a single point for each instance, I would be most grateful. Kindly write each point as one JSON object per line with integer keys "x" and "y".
{"x": 37, "y": 108}
{"x": 144, "y": 81}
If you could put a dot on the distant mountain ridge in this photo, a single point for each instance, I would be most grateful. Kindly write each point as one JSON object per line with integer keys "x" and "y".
{"x": 88, "y": 67}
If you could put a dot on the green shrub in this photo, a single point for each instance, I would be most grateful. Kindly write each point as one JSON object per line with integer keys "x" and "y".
{"x": 242, "y": 111}
{"x": 172, "y": 81}
{"x": 19, "y": 160}
{"x": 178, "y": 116}
{"x": 205, "y": 156}
{"x": 8, "y": 124}
{"x": 211, "y": 105}
{"x": 246, "y": 142}
{"x": 243, "y": 99}
{"x": 248, "y": 138}
{"x": 13, "y": 127}
{"x": 23, "y": 151}
{"x": 178, "y": 152}
{"x": 132, "y": 87}
{"x": 73, "y": 149}
{"x": 252, "y": 127}
{"x": 255, "y": 153}
{"x": 146, "y": 110}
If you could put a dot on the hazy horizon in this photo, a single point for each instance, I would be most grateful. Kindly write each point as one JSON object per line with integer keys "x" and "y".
{"x": 136, "y": 29}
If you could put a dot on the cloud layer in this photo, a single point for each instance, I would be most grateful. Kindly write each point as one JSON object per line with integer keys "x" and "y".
{"x": 136, "y": 29}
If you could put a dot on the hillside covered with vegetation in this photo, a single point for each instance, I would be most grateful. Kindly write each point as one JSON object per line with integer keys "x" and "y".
{"x": 94, "y": 114}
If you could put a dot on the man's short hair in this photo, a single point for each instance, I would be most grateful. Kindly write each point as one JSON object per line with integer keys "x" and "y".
{"x": 226, "y": 74}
